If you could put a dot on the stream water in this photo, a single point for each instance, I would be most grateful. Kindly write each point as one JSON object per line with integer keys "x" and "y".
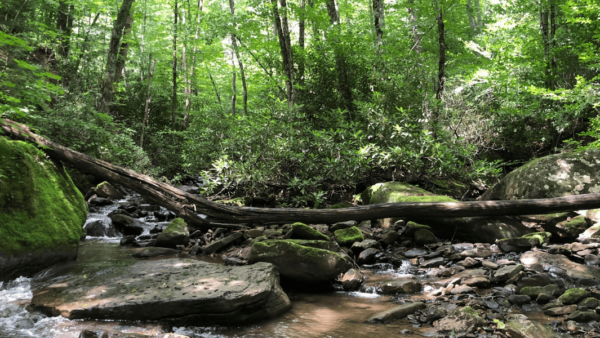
{"x": 332, "y": 314}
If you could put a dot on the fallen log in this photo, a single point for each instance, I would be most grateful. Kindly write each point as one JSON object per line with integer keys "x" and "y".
{"x": 203, "y": 214}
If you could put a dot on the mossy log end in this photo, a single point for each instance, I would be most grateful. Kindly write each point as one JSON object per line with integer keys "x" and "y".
{"x": 202, "y": 213}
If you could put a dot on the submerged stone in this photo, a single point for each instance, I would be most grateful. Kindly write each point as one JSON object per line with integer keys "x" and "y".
{"x": 178, "y": 291}
{"x": 150, "y": 252}
{"x": 397, "y": 312}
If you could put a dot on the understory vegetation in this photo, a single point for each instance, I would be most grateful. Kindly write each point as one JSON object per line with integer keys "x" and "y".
{"x": 300, "y": 98}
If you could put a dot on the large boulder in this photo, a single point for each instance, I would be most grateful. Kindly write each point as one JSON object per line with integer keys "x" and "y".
{"x": 175, "y": 234}
{"x": 126, "y": 225}
{"x": 562, "y": 267}
{"x": 107, "y": 190}
{"x": 41, "y": 211}
{"x": 551, "y": 176}
{"x": 300, "y": 263}
{"x": 177, "y": 291}
{"x": 475, "y": 229}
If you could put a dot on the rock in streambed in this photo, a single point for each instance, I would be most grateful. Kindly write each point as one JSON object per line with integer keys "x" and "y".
{"x": 178, "y": 291}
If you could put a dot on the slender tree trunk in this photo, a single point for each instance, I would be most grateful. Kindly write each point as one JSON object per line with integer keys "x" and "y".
{"x": 188, "y": 103}
{"x": 340, "y": 60}
{"x": 415, "y": 28}
{"x": 478, "y": 10}
{"x": 85, "y": 44}
{"x": 553, "y": 44}
{"x": 544, "y": 16}
{"x": 64, "y": 24}
{"x": 174, "y": 102}
{"x": 237, "y": 56}
{"x": 233, "y": 87}
{"x": 122, "y": 58}
{"x": 378, "y": 20}
{"x": 262, "y": 66}
{"x": 441, "y": 68}
{"x": 285, "y": 55}
{"x": 151, "y": 66}
{"x": 315, "y": 27}
{"x": 471, "y": 14}
{"x": 215, "y": 87}
{"x": 302, "y": 44}
{"x": 111, "y": 60}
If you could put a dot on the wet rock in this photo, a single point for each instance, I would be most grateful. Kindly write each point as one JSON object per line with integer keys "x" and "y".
{"x": 99, "y": 229}
{"x": 434, "y": 313}
{"x": 559, "y": 249}
{"x": 322, "y": 228}
{"x": 519, "y": 299}
{"x": 367, "y": 256}
{"x": 535, "y": 291}
{"x": 415, "y": 253}
{"x": 100, "y": 201}
{"x": 352, "y": 280}
{"x": 524, "y": 243}
{"x": 388, "y": 238}
{"x": 358, "y": 247}
{"x": 126, "y": 225}
{"x": 469, "y": 262}
{"x": 343, "y": 225}
{"x": 462, "y": 289}
{"x": 300, "y": 263}
{"x": 560, "y": 310}
{"x": 177, "y": 291}
{"x": 571, "y": 325}
{"x": 424, "y": 236}
{"x": 401, "y": 286}
{"x": 127, "y": 240}
{"x": 435, "y": 262}
{"x": 477, "y": 281}
{"x": 195, "y": 250}
{"x": 489, "y": 265}
{"x": 233, "y": 261}
{"x": 574, "y": 296}
{"x": 413, "y": 227}
{"x": 480, "y": 252}
{"x": 175, "y": 234}
{"x": 397, "y": 312}
{"x": 347, "y": 237}
{"x": 462, "y": 320}
{"x": 507, "y": 272}
{"x": 222, "y": 243}
{"x": 106, "y": 190}
{"x": 254, "y": 233}
{"x": 590, "y": 303}
{"x": 150, "y": 252}
{"x": 544, "y": 298}
{"x": 520, "y": 326}
{"x": 303, "y": 231}
{"x": 540, "y": 279}
{"x": 592, "y": 259}
{"x": 584, "y": 316}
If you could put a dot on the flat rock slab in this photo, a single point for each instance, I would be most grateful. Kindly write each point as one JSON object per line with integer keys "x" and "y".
{"x": 178, "y": 291}
{"x": 397, "y": 312}
{"x": 561, "y": 266}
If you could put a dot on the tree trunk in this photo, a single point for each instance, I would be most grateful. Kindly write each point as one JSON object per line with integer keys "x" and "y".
{"x": 111, "y": 59}
{"x": 441, "y": 69}
{"x": 233, "y": 81}
{"x": 378, "y": 20}
{"x": 151, "y": 66}
{"x": 471, "y": 14}
{"x": 215, "y": 87}
{"x": 122, "y": 58}
{"x": 174, "y": 100}
{"x": 285, "y": 55}
{"x": 478, "y": 10}
{"x": 237, "y": 56}
{"x": 544, "y": 15}
{"x": 340, "y": 60}
{"x": 415, "y": 29}
{"x": 188, "y": 103}
{"x": 553, "y": 44}
{"x": 64, "y": 24}
{"x": 187, "y": 205}
{"x": 85, "y": 43}
{"x": 302, "y": 45}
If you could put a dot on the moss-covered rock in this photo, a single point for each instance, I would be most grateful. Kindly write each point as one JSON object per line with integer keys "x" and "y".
{"x": 525, "y": 242}
{"x": 574, "y": 296}
{"x": 534, "y": 291}
{"x": 347, "y": 237}
{"x": 300, "y": 263}
{"x": 564, "y": 226}
{"x": 448, "y": 187}
{"x": 107, "y": 190}
{"x": 175, "y": 234}
{"x": 41, "y": 211}
{"x": 424, "y": 236}
{"x": 551, "y": 176}
{"x": 476, "y": 229}
{"x": 541, "y": 237}
{"x": 303, "y": 231}
{"x": 237, "y": 202}
{"x": 464, "y": 319}
{"x": 413, "y": 227}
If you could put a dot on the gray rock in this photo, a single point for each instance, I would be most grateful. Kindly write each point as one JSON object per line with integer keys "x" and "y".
{"x": 464, "y": 319}
{"x": 461, "y": 290}
{"x": 435, "y": 262}
{"x": 343, "y": 225}
{"x": 477, "y": 281}
{"x": 540, "y": 279}
{"x": 592, "y": 259}
{"x": 358, "y": 247}
{"x": 175, "y": 234}
{"x": 397, "y": 312}
{"x": 544, "y": 298}
{"x": 507, "y": 272}
{"x": 519, "y": 325}
{"x": 389, "y": 238}
{"x": 177, "y": 291}
{"x": 127, "y": 240}
{"x": 415, "y": 253}
{"x": 100, "y": 201}
{"x": 469, "y": 262}
{"x": 300, "y": 263}
{"x": 519, "y": 299}
{"x": 561, "y": 266}
{"x": 303, "y": 231}
{"x": 519, "y": 244}
{"x": 126, "y": 225}
{"x": 106, "y": 190}
{"x": 352, "y": 280}
{"x": 561, "y": 310}
{"x": 150, "y": 252}
{"x": 100, "y": 229}
{"x": 584, "y": 316}
{"x": 401, "y": 286}
{"x": 367, "y": 256}
{"x": 222, "y": 243}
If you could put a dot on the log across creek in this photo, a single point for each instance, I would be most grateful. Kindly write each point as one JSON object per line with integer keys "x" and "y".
{"x": 204, "y": 214}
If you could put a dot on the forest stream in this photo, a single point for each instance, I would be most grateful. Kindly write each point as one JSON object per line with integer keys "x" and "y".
{"x": 333, "y": 313}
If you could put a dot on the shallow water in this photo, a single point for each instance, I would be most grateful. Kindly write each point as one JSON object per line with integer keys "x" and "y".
{"x": 337, "y": 314}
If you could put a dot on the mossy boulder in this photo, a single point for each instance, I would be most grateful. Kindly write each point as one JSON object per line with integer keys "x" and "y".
{"x": 299, "y": 263}
{"x": 303, "y": 231}
{"x": 564, "y": 226}
{"x": 474, "y": 229}
{"x": 413, "y": 227}
{"x": 574, "y": 296}
{"x": 424, "y": 236}
{"x": 107, "y": 190}
{"x": 551, "y": 176}
{"x": 175, "y": 234}
{"x": 41, "y": 211}
{"x": 347, "y": 237}
{"x": 449, "y": 187}
{"x": 534, "y": 291}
